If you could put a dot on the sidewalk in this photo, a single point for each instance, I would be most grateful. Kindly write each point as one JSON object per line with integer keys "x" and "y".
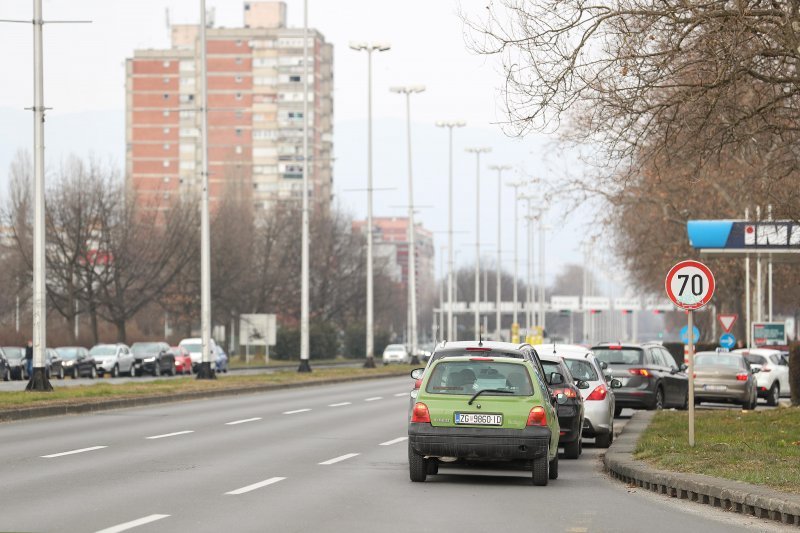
{"x": 734, "y": 496}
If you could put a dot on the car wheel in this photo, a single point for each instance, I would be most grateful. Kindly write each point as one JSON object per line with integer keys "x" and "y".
{"x": 603, "y": 440}
{"x": 617, "y": 412}
{"x": 572, "y": 450}
{"x": 685, "y": 405}
{"x": 433, "y": 467}
{"x": 61, "y": 373}
{"x": 75, "y": 373}
{"x": 7, "y": 375}
{"x": 541, "y": 469}
{"x": 93, "y": 374}
{"x": 774, "y": 395}
{"x": 417, "y": 467}
{"x": 658, "y": 405}
{"x": 553, "y": 470}
{"x": 172, "y": 369}
{"x": 157, "y": 369}
{"x": 115, "y": 371}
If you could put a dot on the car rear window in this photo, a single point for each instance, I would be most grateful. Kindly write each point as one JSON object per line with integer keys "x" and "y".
{"x": 756, "y": 359}
{"x": 717, "y": 359}
{"x": 583, "y": 370}
{"x": 469, "y": 377}
{"x": 620, "y": 356}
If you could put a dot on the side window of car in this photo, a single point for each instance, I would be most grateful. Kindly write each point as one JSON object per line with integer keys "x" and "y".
{"x": 668, "y": 358}
{"x": 653, "y": 357}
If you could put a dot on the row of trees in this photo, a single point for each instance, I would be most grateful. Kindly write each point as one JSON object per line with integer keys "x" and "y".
{"x": 119, "y": 262}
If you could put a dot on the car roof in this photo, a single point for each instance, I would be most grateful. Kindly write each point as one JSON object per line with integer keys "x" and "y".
{"x": 758, "y": 351}
{"x": 494, "y": 345}
{"x": 461, "y": 358}
{"x": 562, "y": 349}
{"x": 550, "y": 357}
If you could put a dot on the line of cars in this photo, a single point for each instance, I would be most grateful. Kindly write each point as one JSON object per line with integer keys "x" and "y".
{"x": 154, "y": 358}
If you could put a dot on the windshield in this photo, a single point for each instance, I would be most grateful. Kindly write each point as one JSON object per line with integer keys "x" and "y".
{"x": 617, "y": 356}
{"x": 395, "y": 348}
{"x": 717, "y": 359}
{"x": 141, "y": 348}
{"x": 13, "y": 352}
{"x": 103, "y": 350}
{"x": 194, "y": 348}
{"x": 469, "y": 377}
{"x": 67, "y": 353}
{"x": 583, "y": 370}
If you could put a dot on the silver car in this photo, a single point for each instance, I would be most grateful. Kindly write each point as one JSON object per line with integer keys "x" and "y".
{"x": 113, "y": 359}
{"x": 396, "y": 353}
{"x": 598, "y": 399}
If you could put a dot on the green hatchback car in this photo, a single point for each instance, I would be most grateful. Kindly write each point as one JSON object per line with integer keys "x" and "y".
{"x": 483, "y": 408}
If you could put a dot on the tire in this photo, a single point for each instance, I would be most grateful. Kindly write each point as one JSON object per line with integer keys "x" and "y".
{"x": 553, "y": 470}
{"x": 658, "y": 404}
{"x": 61, "y": 373}
{"x": 7, "y": 375}
{"x": 572, "y": 450}
{"x": 617, "y": 412}
{"x": 93, "y": 374}
{"x": 774, "y": 395}
{"x": 75, "y": 373}
{"x": 133, "y": 371}
{"x": 540, "y": 470}
{"x": 603, "y": 440}
{"x": 157, "y": 369}
{"x": 417, "y": 466}
{"x": 172, "y": 369}
{"x": 433, "y": 467}
{"x": 685, "y": 405}
{"x": 115, "y": 371}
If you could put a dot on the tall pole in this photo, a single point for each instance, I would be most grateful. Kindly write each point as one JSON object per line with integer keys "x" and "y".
{"x": 370, "y": 333}
{"x": 478, "y": 152}
{"x": 542, "y": 310}
{"x": 304, "y": 285}
{"x": 450, "y": 125}
{"x": 691, "y": 377}
{"x": 769, "y": 273}
{"x": 748, "y": 328}
{"x": 759, "y": 284}
{"x": 516, "y": 251}
{"x": 498, "y": 282}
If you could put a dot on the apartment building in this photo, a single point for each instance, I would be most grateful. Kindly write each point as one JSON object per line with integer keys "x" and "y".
{"x": 255, "y": 113}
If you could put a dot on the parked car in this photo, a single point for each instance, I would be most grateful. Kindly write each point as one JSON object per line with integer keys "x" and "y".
{"x": 221, "y": 360}
{"x": 53, "y": 364}
{"x": 16, "y": 361}
{"x": 154, "y": 358}
{"x": 773, "y": 376}
{"x": 650, "y": 377}
{"x": 77, "y": 361}
{"x": 567, "y": 393}
{"x": 113, "y": 359}
{"x": 479, "y": 408}
{"x": 396, "y": 353}
{"x": 183, "y": 359}
{"x": 5, "y": 370}
{"x": 195, "y": 348}
{"x": 723, "y": 377}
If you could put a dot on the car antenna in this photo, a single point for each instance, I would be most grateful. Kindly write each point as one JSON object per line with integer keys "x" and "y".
{"x": 554, "y": 347}
{"x": 480, "y": 339}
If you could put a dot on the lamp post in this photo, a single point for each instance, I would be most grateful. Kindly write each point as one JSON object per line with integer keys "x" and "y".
{"x": 516, "y": 186}
{"x": 370, "y": 348}
{"x": 478, "y": 151}
{"x": 304, "y": 268}
{"x": 450, "y": 125}
{"x": 412, "y": 252}
{"x": 498, "y": 283}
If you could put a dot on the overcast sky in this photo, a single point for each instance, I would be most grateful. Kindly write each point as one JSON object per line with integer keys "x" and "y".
{"x": 85, "y": 86}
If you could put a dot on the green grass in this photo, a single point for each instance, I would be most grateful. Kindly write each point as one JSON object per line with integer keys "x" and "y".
{"x": 258, "y": 361}
{"x": 105, "y": 389}
{"x": 760, "y": 447}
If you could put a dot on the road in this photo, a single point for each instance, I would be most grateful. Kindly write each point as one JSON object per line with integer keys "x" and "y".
{"x": 327, "y": 458}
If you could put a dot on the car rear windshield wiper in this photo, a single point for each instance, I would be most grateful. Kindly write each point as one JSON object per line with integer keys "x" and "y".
{"x": 504, "y": 391}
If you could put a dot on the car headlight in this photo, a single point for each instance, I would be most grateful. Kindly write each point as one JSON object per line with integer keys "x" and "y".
{"x": 69, "y": 363}
{"x": 149, "y": 359}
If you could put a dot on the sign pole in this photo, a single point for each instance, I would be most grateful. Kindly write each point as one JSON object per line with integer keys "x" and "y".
{"x": 691, "y": 378}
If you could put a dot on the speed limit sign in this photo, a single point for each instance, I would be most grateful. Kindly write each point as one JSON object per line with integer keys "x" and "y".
{"x": 690, "y": 285}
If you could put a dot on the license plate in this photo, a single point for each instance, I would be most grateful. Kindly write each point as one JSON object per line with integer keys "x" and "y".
{"x": 478, "y": 419}
{"x": 715, "y": 388}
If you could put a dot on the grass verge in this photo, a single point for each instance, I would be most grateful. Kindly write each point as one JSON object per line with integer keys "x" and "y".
{"x": 759, "y": 447}
{"x": 104, "y": 390}
{"x": 258, "y": 361}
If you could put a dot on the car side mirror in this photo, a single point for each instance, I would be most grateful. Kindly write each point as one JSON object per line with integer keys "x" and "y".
{"x": 556, "y": 378}
{"x": 615, "y": 384}
{"x": 417, "y": 373}
{"x": 582, "y": 384}
{"x": 755, "y": 370}
{"x": 683, "y": 367}
{"x": 603, "y": 365}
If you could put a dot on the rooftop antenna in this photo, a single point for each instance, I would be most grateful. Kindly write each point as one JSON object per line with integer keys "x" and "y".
{"x": 554, "y": 347}
{"x": 480, "y": 338}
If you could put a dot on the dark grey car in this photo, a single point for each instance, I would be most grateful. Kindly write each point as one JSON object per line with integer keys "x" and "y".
{"x": 154, "y": 358}
{"x": 5, "y": 371}
{"x": 15, "y": 355}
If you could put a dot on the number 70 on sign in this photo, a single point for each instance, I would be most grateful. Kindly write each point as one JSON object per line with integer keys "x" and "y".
{"x": 690, "y": 285}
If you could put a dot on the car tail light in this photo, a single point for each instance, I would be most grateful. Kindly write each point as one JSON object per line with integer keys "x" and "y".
{"x": 569, "y": 393}
{"x": 478, "y": 349}
{"x": 417, "y": 383}
{"x": 615, "y": 347}
{"x": 640, "y": 372}
{"x": 481, "y": 359}
{"x": 420, "y": 413}
{"x": 742, "y": 376}
{"x": 599, "y": 393}
{"x": 537, "y": 416}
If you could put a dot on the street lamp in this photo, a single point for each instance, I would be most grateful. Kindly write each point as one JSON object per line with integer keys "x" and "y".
{"x": 478, "y": 151}
{"x": 408, "y": 90}
{"x": 498, "y": 299}
{"x": 304, "y": 268}
{"x": 369, "y": 48}
{"x": 450, "y": 125}
{"x": 516, "y": 186}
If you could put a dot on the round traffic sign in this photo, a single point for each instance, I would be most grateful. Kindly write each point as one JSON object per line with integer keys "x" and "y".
{"x": 690, "y": 285}
{"x": 727, "y": 340}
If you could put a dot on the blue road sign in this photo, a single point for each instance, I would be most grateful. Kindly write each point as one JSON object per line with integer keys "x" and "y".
{"x": 727, "y": 340}
{"x": 685, "y": 334}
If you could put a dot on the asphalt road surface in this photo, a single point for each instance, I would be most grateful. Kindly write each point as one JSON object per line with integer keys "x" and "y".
{"x": 329, "y": 458}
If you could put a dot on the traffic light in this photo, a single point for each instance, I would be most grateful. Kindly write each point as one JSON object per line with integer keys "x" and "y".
{"x": 626, "y": 311}
{"x": 595, "y": 311}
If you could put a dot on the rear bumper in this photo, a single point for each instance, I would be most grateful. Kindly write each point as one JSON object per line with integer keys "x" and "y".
{"x": 598, "y": 416}
{"x": 569, "y": 420}
{"x": 634, "y": 398}
{"x": 479, "y": 443}
{"x": 721, "y": 396}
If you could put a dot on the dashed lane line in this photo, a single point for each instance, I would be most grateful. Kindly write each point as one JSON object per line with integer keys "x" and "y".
{"x": 339, "y": 459}
{"x": 374, "y": 398}
{"x": 255, "y": 486}
{"x": 73, "y": 452}
{"x": 133, "y": 523}
{"x": 296, "y": 411}
{"x": 340, "y": 404}
{"x": 399, "y": 394}
{"x": 244, "y": 421}
{"x": 165, "y": 435}
{"x": 393, "y": 441}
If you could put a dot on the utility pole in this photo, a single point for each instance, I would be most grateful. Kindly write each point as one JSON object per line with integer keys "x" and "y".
{"x": 305, "y": 366}
{"x": 478, "y": 151}
{"x": 498, "y": 270}
{"x": 748, "y": 326}
{"x": 516, "y": 186}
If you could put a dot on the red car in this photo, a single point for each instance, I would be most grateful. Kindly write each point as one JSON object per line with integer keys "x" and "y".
{"x": 183, "y": 360}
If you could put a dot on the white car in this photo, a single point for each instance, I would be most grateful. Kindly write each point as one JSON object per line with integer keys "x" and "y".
{"x": 396, "y": 353}
{"x": 772, "y": 378}
{"x": 113, "y": 359}
{"x": 598, "y": 399}
{"x": 195, "y": 348}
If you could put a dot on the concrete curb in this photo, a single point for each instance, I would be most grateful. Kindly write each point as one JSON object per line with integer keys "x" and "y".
{"x": 755, "y": 500}
{"x": 26, "y": 413}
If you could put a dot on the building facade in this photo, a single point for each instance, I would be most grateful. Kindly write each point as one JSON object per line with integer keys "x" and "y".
{"x": 255, "y": 113}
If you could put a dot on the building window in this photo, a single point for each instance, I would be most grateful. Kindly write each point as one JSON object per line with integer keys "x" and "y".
{"x": 166, "y": 164}
{"x": 166, "y": 80}
{"x": 166, "y": 146}
{"x": 238, "y": 149}
{"x": 238, "y": 60}
{"x": 238, "y": 96}
{"x": 166, "y": 131}
{"x": 166, "y": 112}
{"x": 166, "y": 179}
{"x": 238, "y": 79}
{"x": 239, "y": 115}
{"x": 294, "y": 79}
{"x": 166, "y": 96}
{"x": 238, "y": 42}
{"x": 238, "y": 132}
{"x": 166, "y": 64}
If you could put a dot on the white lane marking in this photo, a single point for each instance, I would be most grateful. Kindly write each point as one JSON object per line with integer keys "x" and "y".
{"x": 374, "y": 398}
{"x": 393, "y": 441}
{"x": 246, "y": 420}
{"x": 170, "y": 434}
{"x": 339, "y": 404}
{"x": 255, "y": 486}
{"x": 133, "y": 523}
{"x": 401, "y": 394}
{"x": 71, "y": 452}
{"x": 339, "y": 459}
{"x": 296, "y": 411}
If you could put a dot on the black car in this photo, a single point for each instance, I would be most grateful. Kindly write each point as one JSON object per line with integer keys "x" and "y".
{"x": 15, "y": 355}
{"x": 5, "y": 371}
{"x": 53, "y": 365}
{"x": 154, "y": 358}
{"x": 77, "y": 362}
{"x": 650, "y": 377}
{"x": 566, "y": 392}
